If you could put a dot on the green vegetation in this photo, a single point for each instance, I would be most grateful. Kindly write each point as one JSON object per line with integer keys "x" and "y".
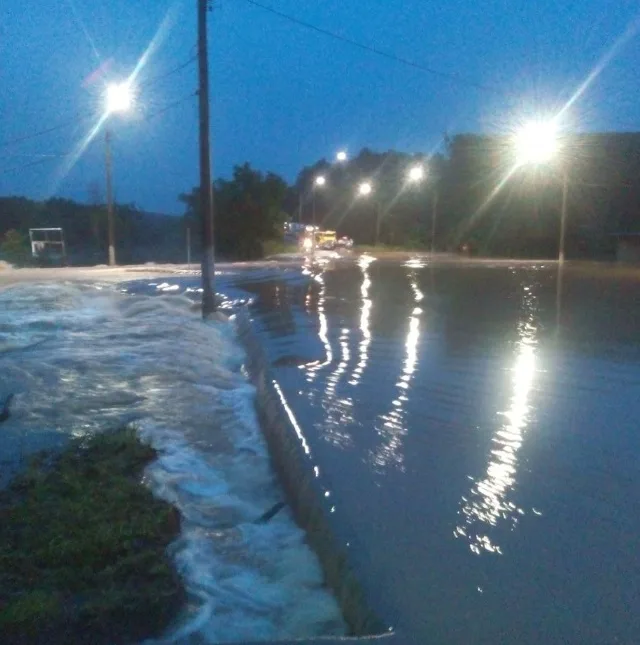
{"x": 521, "y": 219}
{"x": 481, "y": 199}
{"x": 278, "y": 247}
{"x": 83, "y": 548}
{"x": 14, "y": 247}
{"x": 248, "y": 213}
{"x": 140, "y": 237}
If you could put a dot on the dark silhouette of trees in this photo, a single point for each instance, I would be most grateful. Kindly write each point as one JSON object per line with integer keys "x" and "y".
{"x": 140, "y": 237}
{"x": 248, "y": 212}
{"x": 483, "y": 200}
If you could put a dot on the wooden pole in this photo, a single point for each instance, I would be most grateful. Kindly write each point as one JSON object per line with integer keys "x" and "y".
{"x": 110, "y": 218}
{"x": 206, "y": 188}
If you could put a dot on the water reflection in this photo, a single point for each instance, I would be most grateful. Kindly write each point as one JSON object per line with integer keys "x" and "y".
{"x": 323, "y": 330}
{"x": 338, "y": 409}
{"x": 488, "y": 503}
{"x": 394, "y": 427}
{"x": 364, "y": 263}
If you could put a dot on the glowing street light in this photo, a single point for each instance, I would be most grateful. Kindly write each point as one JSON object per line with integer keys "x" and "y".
{"x": 341, "y": 156}
{"x": 416, "y": 174}
{"x": 319, "y": 182}
{"x": 364, "y": 189}
{"x": 537, "y": 142}
{"x": 118, "y": 99}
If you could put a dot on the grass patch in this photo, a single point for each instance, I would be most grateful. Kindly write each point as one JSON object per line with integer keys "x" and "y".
{"x": 278, "y": 247}
{"x": 83, "y": 548}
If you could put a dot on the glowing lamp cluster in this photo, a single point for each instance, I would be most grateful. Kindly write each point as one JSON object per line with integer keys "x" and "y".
{"x": 321, "y": 180}
{"x": 536, "y": 142}
{"x": 119, "y": 97}
{"x": 341, "y": 156}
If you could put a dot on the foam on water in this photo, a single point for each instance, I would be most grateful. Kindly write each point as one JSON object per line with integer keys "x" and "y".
{"x": 83, "y": 358}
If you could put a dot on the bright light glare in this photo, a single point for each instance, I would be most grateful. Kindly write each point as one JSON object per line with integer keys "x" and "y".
{"x": 416, "y": 173}
{"x": 321, "y": 180}
{"x": 536, "y": 142}
{"x": 119, "y": 97}
{"x": 341, "y": 156}
{"x": 364, "y": 188}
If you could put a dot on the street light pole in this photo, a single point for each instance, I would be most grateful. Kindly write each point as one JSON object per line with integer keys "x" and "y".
{"x": 110, "y": 222}
{"x": 434, "y": 216}
{"x": 119, "y": 99}
{"x": 313, "y": 206}
{"x": 318, "y": 182}
{"x": 563, "y": 215}
{"x": 206, "y": 189}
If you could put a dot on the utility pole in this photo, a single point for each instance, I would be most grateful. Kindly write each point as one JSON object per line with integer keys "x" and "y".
{"x": 313, "y": 206}
{"x": 206, "y": 188}
{"x": 189, "y": 246}
{"x": 563, "y": 215}
{"x": 110, "y": 222}
{"x": 434, "y": 217}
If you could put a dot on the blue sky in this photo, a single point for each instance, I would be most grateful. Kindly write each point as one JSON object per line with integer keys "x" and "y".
{"x": 283, "y": 96}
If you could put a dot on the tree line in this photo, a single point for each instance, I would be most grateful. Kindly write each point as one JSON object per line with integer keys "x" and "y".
{"x": 478, "y": 194}
{"x": 482, "y": 197}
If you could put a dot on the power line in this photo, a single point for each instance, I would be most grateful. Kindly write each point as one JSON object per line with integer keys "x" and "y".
{"x": 175, "y": 70}
{"x": 375, "y": 50}
{"x": 85, "y": 115}
{"x": 184, "y": 99}
{"x": 31, "y": 163}
{"x": 60, "y": 126}
{"x": 52, "y": 157}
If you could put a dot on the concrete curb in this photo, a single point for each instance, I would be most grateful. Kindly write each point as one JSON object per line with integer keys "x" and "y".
{"x": 306, "y": 493}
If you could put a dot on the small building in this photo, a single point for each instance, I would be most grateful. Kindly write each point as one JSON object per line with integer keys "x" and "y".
{"x": 628, "y": 248}
{"x": 47, "y": 245}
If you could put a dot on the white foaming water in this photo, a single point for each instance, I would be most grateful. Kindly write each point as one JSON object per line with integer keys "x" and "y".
{"x": 81, "y": 359}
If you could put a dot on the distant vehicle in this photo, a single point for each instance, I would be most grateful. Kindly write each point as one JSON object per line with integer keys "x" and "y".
{"x": 344, "y": 242}
{"x": 313, "y": 238}
{"x": 48, "y": 247}
{"x": 326, "y": 240}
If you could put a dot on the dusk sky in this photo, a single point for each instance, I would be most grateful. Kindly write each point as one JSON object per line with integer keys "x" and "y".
{"x": 283, "y": 96}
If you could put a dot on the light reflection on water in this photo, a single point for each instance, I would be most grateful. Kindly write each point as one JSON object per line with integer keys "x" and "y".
{"x": 392, "y": 426}
{"x": 364, "y": 263}
{"x": 323, "y": 330}
{"x": 338, "y": 409}
{"x": 488, "y": 501}
{"x": 469, "y": 444}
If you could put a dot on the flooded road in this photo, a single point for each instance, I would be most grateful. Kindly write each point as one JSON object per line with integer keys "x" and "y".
{"x": 85, "y": 358}
{"x": 482, "y": 445}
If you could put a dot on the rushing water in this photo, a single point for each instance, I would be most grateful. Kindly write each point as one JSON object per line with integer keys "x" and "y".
{"x": 480, "y": 436}
{"x": 81, "y": 359}
{"x": 480, "y": 430}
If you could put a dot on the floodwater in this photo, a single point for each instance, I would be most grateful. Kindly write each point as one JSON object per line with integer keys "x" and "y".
{"x": 85, "y": 358}
{"x": 481, "y": 437}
